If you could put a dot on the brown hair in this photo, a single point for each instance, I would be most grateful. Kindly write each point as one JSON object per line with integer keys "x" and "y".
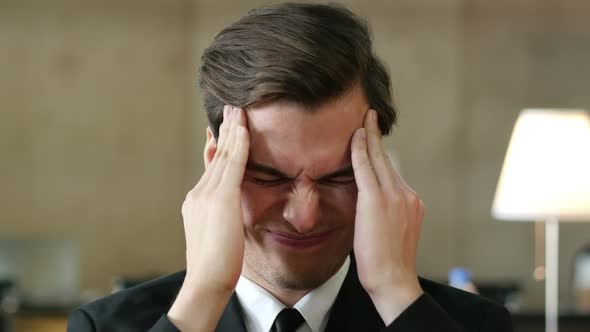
{"x": 303, "y": 53}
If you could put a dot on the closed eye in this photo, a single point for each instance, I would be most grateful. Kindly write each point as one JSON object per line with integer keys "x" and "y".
{"x": 268, "y": 182}
{"x": 338, "y": 180}
{"x": 340, "y": 177}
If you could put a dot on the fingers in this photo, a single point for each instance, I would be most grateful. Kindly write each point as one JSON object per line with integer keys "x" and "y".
{"x": 236, "y": 163}
{"x": 231, "y": 134}
{"x": 380, "y": 161}
{"x": 364, "y": 175}
{"x": 224, "y": 128}
{"x": 221, "y": 153}
{"x": 221, "y": 137}
{"x": 370, "y": 153}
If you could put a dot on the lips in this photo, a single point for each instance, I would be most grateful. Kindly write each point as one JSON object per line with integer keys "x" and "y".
{"x": 300, "y": 241}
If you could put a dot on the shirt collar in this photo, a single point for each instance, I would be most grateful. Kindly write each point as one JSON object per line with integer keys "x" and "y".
{"x": 315, "y": 305}
{"x": 260, "y": 307}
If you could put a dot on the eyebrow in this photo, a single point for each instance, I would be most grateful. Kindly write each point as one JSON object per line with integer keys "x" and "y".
{"x": 258, "y": 167}
{"x": 345, "y": 171}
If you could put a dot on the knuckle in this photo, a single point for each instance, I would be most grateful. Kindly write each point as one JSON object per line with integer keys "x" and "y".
{"x": 411, "y": 197}
{"x": 389, "y": 162}
{"x": 186, "y": 205}
{"x": 224, "y": 196}
{"x": 397, "y": 200}
{"x": 379, "y": 155}
{"x": 235, "y": 160}
{"x": 223, "y": 153}
{"x": 224, "y": 126}
{"x": 365, "y": 164}
{"x": 223, "y": 131}
{"x": 190, "y": 196}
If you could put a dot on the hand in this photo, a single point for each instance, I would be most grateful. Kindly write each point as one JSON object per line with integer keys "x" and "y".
{"x": 214, "y": 231}
{"x": 387, "y": 225}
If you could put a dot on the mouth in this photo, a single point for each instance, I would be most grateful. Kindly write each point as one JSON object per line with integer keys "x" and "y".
{"x": 300, "y": 240}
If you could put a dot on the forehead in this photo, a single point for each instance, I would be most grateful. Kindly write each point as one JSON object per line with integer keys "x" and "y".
{"x": 293, "y": 139}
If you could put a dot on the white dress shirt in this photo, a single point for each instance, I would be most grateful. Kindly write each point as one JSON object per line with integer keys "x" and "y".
{"x": 260, "y": 308}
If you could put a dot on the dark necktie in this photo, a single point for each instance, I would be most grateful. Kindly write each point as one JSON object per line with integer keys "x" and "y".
{"x": 288, "y": 320}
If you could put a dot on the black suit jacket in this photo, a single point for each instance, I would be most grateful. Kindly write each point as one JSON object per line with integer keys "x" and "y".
{"x": 440, "y": 309}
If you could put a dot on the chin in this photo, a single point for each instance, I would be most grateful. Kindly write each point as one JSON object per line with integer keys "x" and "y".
{"x": 297, "y": 273}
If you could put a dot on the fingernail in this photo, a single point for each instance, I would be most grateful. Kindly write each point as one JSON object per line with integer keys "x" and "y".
{"x": 363, "y": 133}
{"x": 374, "y": 114}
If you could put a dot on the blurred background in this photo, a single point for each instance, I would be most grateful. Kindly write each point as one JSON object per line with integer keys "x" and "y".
{"x": 102, "y": 129}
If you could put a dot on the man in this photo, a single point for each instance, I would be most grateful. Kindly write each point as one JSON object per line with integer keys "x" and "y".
{"x": 299, "y": 223}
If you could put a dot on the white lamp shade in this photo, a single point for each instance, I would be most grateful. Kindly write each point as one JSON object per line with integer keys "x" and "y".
{"x": 546, "y": 173}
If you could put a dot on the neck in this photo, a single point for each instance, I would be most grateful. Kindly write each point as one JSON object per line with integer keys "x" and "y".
{"x": 288, "y": 297}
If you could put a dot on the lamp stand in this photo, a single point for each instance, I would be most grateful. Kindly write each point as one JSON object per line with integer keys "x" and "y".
{"x": 552, "y": 274}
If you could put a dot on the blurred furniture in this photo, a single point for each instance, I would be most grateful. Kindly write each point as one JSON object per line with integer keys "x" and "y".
{"x": 535, "y": 322}
{"x": 46, "y": 268}
{"x": 6, "y": 305}
{"x": 581, "y": 284}
{"x": 546, "y": 176}
{"x": 506, "y": 293}
{"x": 41, "y": 318}
{"x": 4, "y": 322}
{"x": 40, "y": 323}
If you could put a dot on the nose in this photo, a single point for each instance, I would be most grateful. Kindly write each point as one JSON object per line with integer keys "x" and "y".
{"x": 302, "y": 207}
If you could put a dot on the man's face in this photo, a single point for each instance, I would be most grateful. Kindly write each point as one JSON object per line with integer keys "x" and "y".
{"x": 298, "y": 192}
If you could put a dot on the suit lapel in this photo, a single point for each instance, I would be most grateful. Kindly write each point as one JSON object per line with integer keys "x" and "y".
{"x": 353, "y": 310}
{"x": 231, "y": 320}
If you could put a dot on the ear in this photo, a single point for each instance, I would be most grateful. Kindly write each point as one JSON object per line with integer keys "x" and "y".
{"x": 210, "y": 148}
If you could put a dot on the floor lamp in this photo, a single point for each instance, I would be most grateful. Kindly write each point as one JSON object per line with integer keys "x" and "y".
{"x": 546, "y": 176}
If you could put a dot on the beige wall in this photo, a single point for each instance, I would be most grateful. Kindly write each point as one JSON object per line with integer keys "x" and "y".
{"x": 102, "y": 126}
{"x": 97, "y": 109}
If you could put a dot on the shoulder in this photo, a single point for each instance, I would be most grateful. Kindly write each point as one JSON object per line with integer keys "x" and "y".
{"x": 133, "y": 309}
{"x": 470, "y": 310}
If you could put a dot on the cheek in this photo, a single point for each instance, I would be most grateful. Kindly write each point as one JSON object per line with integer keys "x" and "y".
{"x": 258, "y": 203}
{"x": 339, "y": 203}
